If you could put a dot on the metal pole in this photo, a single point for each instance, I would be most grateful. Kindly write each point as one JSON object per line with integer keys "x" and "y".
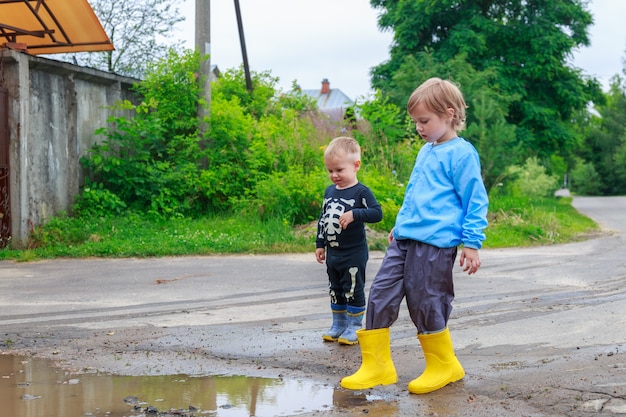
{"x": 242, "y": 40}
{"x": 203, "y": 45}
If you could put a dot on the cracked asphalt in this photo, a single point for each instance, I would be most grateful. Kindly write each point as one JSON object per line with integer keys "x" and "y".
{"x": 540, "y": 331}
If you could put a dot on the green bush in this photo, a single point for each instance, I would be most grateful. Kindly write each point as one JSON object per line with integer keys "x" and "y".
{"x": 295, "y": 197}
{"x": 94, "y": 200}
{"x": 390, "y": 212}
{"x": 388, "y": 192}
{"x": 531, "y": 180}
{"x": 584, "y": 179}
{"x": 150, "y": 156}
{"x": 154, "y": 160}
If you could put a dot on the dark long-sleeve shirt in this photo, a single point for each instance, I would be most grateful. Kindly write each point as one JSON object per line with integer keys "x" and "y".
{"x": 361, "y": 201}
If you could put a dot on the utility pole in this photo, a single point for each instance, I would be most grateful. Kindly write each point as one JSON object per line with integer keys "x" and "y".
{"x": 203, "y": 45}
{"x": 242, "y": 41}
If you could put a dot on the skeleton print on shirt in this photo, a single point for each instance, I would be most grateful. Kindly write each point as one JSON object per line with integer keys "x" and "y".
{"x": 334, "y": 208}
{"x": 363, "y": 205}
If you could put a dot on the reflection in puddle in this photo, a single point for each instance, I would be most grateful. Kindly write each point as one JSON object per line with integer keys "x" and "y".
{"x": 32, "y": 388}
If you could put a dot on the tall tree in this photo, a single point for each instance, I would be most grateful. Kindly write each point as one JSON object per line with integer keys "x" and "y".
{"x": 487, "y": 127}
{"x": 141, "y": 31}
{"x": 525, "y": 42}
{"x": 605, "y": 144}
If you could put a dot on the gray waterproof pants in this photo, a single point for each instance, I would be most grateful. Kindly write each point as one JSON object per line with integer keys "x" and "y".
{"x": 420, "y": 272}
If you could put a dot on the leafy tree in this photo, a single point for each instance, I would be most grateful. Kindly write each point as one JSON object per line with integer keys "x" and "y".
{"x": 584, "y": 179}
{"x": 619, "y": 161}
{"x": 487, "y": 127}
{"x": 604, "y": 147}
{"x": 523, "y": 44}
{"x": 140, "y": 31}
{"x": 493, "y": 137}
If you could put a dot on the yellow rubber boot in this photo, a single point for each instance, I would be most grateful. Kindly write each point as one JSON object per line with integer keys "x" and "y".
{"x": 377, "y": 366}
{"x": 442, "y": 365}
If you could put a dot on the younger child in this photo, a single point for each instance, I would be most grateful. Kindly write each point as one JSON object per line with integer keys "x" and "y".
{"x": 341, "y": 240}
{"x": 445, "y": 206}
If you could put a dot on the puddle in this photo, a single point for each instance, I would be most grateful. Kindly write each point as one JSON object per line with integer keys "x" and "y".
{"x": 33, "y": 388}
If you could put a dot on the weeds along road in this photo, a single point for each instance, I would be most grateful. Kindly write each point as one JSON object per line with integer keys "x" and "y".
{"x": 540, "y": 331}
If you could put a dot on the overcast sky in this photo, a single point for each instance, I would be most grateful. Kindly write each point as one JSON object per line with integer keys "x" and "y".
{"x": 309, "y": 40}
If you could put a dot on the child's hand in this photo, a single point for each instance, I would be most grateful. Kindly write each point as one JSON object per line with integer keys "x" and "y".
{"x": 320, "y": 255}
{"x": 470, "y": 261}
{"x": 345, "y": 219}
{"x": 390, "y": 237}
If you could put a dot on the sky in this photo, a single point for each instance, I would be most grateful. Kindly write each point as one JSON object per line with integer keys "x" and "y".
{"x": 339, "y": 40}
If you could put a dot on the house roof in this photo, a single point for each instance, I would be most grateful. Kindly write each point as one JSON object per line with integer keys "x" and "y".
{"x": 330, "y": 100}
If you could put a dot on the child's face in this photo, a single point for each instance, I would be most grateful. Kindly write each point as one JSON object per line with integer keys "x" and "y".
{"x": 342, "y": 170}
{"x": 432, "y": 127}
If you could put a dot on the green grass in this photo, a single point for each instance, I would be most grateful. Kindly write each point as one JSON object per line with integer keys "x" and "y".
{"x": 518, "y": 223}
{"x": 136, "y": 236}
{"x": 512, "y": 223}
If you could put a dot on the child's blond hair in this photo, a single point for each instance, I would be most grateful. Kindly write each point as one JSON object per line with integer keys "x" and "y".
{"x": 438, "y": 96}
{"x": 343, "y": 144}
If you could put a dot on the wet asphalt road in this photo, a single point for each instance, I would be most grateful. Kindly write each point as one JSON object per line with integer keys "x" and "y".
{"x": 540, "y": 331}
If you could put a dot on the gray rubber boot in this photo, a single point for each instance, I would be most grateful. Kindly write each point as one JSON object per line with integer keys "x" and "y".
{"x": 340, "y": 322}
{"x": 355, "y": 320}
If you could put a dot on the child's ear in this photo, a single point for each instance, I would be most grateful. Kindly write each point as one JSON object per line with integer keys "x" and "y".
{"x": 451, "y": 113}
{"x": 357, "y": 164}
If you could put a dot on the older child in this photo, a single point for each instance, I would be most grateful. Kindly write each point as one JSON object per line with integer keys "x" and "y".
{"x": 445, "y": 206}
{"x": 341, "y": 240}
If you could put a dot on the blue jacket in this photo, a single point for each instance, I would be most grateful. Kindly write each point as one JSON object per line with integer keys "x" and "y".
{"x": 445, "y": 203}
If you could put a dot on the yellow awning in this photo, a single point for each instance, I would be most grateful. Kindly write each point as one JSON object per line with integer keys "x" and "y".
{"x": 51, "y": 26}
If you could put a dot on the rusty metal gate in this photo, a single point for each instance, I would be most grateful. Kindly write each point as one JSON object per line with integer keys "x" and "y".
{"x": 5, "y": 203}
